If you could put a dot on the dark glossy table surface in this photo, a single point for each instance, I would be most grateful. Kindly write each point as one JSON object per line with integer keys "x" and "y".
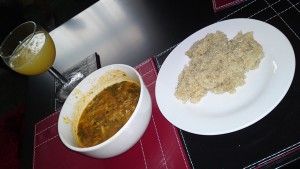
{"x": 134, "y": 30}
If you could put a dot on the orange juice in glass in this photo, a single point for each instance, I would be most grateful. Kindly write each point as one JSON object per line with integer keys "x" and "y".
{"x": 34, "y": 55}
{"x": 29, "y": 50}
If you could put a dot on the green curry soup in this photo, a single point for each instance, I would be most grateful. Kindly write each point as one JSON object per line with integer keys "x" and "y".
{"x": 107, "y": 113}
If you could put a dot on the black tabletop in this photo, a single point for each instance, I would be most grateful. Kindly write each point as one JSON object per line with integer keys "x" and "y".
{"x": 273, "y": 141}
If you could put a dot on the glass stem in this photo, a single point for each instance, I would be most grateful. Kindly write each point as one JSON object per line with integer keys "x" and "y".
{"x": 61, "y": 79}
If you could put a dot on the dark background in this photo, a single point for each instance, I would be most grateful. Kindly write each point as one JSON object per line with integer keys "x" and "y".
{"x": 52, "y": 13}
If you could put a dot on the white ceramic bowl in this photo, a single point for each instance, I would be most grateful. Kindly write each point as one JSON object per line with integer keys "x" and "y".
{"x": 126, "y": 137}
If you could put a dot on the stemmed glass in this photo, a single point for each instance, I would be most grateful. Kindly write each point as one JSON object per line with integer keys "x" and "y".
{"x": 29, "y": 50}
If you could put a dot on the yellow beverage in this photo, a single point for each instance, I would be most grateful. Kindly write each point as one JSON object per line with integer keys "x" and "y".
{"x": 36, "y": 57}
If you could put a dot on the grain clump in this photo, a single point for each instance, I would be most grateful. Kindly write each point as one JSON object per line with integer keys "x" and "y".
{"x": 218, "y": 65}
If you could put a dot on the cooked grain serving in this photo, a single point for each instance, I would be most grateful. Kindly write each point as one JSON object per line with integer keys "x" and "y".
{"x": 218, "y": 65}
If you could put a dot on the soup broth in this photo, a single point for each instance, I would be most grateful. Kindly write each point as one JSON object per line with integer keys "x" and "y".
{"x": 107, "y": 113}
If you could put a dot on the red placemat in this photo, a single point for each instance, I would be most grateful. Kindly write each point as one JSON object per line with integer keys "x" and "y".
{"x": 159, "y": 147}
{"x": 222, "y": 4}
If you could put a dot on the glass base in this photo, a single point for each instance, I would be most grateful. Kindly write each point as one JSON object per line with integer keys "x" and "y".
{"x": 63, "y": 91}
{"x": 86, "y": 66}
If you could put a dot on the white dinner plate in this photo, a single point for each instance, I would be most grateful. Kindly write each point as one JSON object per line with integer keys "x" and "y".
{"x": 224, "y": 113}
